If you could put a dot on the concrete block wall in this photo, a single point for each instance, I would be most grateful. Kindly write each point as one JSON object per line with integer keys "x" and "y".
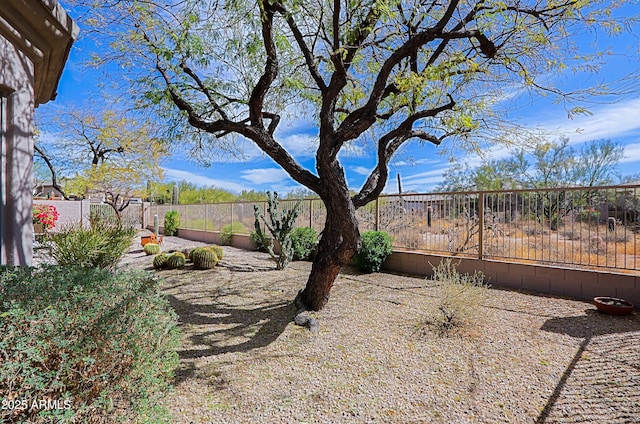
{"x": 574, "y": 283}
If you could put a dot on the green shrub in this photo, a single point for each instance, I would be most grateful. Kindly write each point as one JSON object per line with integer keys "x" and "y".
{"x": 376, "y": 248}
{"x": 303, "y": 241}
{"x": 260, "y": 241}
{"x": 100, "y": 246}
{"x": 204, "y": 258}
{"x": 100, "y": 345}
{"x": 229, "y": 230}
{"x": 175, "y": 261}
{"x": 459, "y": 299}
{"x": 151, "y": 249}
{"x": 171, "y": 223}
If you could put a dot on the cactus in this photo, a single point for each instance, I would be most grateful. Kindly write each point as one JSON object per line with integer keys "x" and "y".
{"x": 187, "y": 253}
{"x": 151, "y": 249}
{"x": 204, "y": 258}
{"x": 280, "y": 225}
{"x": 218, "y": 251}
{"x": 176, "y": 261}
{"x": 160, "y": 260}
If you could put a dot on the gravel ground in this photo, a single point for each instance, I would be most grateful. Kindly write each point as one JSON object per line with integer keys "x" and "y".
{"x": 528, "y": 358}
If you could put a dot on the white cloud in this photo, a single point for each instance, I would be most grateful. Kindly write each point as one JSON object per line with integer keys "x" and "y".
{"x": 300, "y": 145}
{"x": 361, "y": 170}
{"x": 264, "y": 175}
{"x": 610, "y": 121}
{"x": 631, "y": 153}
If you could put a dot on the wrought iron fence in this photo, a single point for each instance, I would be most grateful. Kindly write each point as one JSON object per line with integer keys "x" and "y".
{"x": 578, "y": 227}
{"x": 130, "y": 216}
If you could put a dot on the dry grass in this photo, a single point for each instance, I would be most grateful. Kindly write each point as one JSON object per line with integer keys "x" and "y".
{"x": 529, "y": 359}
{"x": 581, "y": 244}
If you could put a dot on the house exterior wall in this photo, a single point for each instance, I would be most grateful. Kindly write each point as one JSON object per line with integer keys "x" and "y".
{"x": 35, "y": 39}
{"x": 16, "y": 86}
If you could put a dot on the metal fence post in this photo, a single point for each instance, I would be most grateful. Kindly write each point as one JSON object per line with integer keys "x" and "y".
{"x": 377, "y": 213}
{"x": 310, "y": 213}
{"x": 480, "y": 224}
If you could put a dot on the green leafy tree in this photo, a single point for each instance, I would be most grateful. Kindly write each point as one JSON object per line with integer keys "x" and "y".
{"x": 383, "y": 73}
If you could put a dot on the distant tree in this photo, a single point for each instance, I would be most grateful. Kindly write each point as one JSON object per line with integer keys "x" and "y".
{"x": 372, "y": 72}
{"x": 191, "y": 194}
{"x": 549, "y": 165}
{"x": 101, "y": 152}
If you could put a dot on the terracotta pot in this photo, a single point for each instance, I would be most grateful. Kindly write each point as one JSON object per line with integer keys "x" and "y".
{"x": 147, "y": 239}
{"x": 38, "y": 228}
{"x": 613, "y": 305}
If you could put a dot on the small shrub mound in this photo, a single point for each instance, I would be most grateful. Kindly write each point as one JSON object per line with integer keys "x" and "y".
{"x": 460, "y": 298}
{"x": 260, "y": 241}
{"x": 303, "y": 242}
{"x": 227, "y": 232}
{"x": 98, "y": 346}
{"x": 151, "y": 249}
{"x": 100, "y": 246}
{"x": 376, "y": 248}
{"x": 171, "y": 223}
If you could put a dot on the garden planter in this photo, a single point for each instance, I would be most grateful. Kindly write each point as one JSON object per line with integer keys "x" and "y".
{"x": 150, "y": 239}
{"x": 38, "y": 228}
{"x": 613, "y": 305}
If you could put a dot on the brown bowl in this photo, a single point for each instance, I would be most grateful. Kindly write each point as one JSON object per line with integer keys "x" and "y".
{"x": 613, "y": 305}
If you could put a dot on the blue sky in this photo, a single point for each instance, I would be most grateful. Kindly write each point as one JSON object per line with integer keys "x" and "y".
{"x": 421, "y": 166}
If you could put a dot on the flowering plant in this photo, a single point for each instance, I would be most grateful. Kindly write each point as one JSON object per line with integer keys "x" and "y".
{"x": 47, "y": 215}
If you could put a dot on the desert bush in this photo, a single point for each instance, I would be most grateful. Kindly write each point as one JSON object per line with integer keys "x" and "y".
{"x": 376, "y": 248}
{"x": 171, "y": 223}
{"x": 260, "y": 241}
{"x": 100, "y": 246}
{"x": 229, "y": 230}
{"x": 303, "y": 242}
{"x": 459, "y": 299}
{"x": 100, "y": 345}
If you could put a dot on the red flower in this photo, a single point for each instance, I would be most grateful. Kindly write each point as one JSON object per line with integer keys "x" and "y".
{"x": 47, "y": 215}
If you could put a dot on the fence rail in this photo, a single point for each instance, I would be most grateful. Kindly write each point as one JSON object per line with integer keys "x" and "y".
{"x": 584, "y": 227}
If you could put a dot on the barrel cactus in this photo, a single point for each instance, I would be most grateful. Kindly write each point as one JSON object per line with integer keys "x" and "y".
{"x": 204, "y": 258}
{"x": 176, "y": 260}
{"x": 151, "y": 248}
{"x": 218, "y": 251}
{"x": 160, "y": 260}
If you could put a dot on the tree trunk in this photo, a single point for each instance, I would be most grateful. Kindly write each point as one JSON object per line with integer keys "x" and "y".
{"x": 340, "y": 241}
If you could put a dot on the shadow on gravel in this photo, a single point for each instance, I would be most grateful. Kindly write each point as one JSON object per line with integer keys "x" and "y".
{"x": 601, "y": 381}
{"x": 227, "y": 328}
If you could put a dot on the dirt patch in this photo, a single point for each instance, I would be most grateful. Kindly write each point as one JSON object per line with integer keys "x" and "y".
{"x": 529, "y": 359}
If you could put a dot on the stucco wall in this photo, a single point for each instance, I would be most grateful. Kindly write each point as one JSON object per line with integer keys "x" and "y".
{"x": 16, "y": 84}
{"x": 574, "y": 283}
